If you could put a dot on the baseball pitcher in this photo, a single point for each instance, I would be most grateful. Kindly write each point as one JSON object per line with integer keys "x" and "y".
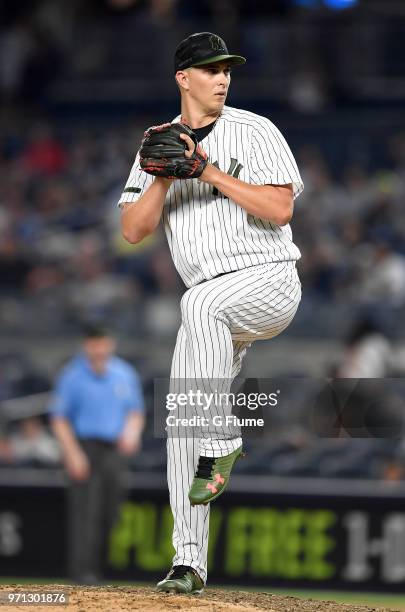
{"x": 223, "y": 180}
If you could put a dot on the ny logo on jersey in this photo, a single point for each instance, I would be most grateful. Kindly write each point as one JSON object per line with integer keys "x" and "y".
{"x": 217, "y": 43}
{"x": 233, "y": 170}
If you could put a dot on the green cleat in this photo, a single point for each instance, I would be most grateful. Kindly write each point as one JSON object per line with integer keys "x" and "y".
{"x": 212, "y": 477}
{"x": 181, "y": 579}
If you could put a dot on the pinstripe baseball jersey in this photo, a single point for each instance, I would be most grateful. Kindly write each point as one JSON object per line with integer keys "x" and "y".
{"x": 208, "y": 233}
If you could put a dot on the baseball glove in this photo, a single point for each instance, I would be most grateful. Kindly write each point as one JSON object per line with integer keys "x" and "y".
{"x": 162, "y": 152}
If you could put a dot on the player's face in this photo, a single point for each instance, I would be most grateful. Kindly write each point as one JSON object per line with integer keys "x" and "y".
{"x": 209, "y": 84}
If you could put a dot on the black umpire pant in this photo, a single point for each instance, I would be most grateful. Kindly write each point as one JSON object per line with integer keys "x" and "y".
{"x": 93, "y": 507}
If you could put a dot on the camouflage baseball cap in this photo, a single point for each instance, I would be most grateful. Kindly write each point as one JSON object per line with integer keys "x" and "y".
{"x": 203, "y": 48}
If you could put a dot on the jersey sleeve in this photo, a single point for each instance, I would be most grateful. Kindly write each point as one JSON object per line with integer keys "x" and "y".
{"x": 137, "y": 183}
{"x": 271, "y": 159}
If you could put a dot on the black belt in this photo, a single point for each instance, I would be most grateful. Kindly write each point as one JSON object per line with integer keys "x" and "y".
{"x": 239, "y": 270}
{"x": 205, "y": 280}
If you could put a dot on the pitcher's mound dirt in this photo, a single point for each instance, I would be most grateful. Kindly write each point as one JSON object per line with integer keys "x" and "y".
{"x": 117, "y": 599}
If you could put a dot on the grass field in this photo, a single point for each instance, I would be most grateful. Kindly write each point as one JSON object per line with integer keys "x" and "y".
{"x": 372, "y": 599}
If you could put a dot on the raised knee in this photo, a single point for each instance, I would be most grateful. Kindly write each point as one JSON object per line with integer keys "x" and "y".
{"x": 196, "y": 307}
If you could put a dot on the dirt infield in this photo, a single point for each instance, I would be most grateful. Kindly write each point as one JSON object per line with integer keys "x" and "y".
{"x": 117, "y": 599}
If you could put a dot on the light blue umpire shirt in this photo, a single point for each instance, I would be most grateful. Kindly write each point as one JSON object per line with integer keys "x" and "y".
{"x": 97, "y": 405}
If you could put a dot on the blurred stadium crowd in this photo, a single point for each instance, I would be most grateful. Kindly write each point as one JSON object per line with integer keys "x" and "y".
{"x": 63, "y": 261}
{"x": 311, "y": 55}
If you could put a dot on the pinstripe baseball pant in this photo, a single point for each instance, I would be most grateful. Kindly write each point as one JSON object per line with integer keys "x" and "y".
{"x": 220, "y": 320}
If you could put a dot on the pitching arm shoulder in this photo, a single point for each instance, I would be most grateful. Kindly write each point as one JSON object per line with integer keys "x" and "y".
{"x": 272, "y": 161}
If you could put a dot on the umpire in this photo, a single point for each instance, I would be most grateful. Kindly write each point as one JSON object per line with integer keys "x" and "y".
{"x": 97, "y": 414}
